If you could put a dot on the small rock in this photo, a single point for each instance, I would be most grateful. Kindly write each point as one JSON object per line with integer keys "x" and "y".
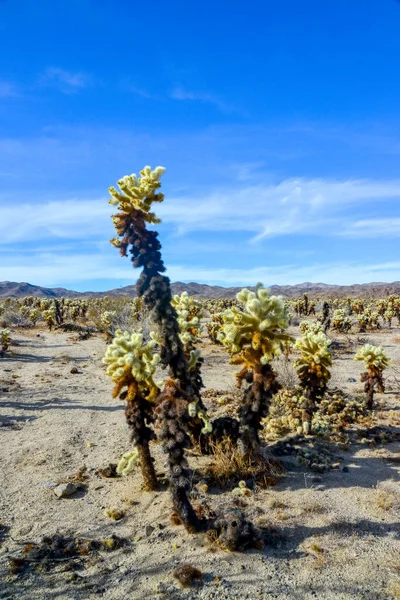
{"x": 149, "y": 530}
{"x": 74, "y": 370}
{"x": 345, "y": 469}
{"x": 352, "y": 380}
{"x": 64, "y": 490}
{"x": 49, "y": 484}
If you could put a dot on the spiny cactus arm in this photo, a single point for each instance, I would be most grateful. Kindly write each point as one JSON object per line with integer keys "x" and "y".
{"x": 373, "y": 356}
{"x": 138, "y": 193}
{"x": 128, "y": 462}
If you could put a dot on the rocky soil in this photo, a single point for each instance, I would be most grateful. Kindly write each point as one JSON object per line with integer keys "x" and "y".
{"x": 332, "y": 535}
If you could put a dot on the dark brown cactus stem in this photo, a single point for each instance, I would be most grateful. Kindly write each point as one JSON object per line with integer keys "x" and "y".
{"x": 138, "y": 413}
{"x": 147, "y": 467}
{"x": 172, "y": 411}
{"x": 372, "y": 379}
{"x": 257, "y": 400}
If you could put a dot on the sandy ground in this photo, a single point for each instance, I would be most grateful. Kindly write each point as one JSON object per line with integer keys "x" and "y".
{"x": 334, "y": 535}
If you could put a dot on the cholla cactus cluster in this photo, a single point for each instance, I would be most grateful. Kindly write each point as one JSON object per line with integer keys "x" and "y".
{"x": 333, "y": 413}
{"x": 5, "y": 339}
{"x": 173, "y": 421}
{"x": 311, "y": 327}
{"x": 49, "y": 316}
{"x": 313, "y": 372}
{"x": 340, "y": 322}
{"x": 253, "y": 334}
{"x": 375, "y": 362}
{"x": 368, "y": 320}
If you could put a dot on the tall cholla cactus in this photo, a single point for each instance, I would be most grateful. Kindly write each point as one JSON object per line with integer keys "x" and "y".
{"x": 313, "y": 371}
{"x": 134, "y": 201}
{"x": 253, "y": 334}
{"x": 131, "y": 364}
{"x": 375, "y": 361}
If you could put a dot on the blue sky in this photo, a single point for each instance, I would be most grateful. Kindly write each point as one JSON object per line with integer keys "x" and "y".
{"x": 278, "y": 123}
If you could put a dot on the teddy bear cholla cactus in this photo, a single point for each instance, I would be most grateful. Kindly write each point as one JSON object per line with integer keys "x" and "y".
{"x": 313, "y": 371}
{"x": 134, "y": 201}
{"x": 253, "y": 335}
{"x": 375, "y": 361}
{"x": 5, "y": 339}
{"x": 190, "y": 312}
{"x": 131, "y": 364}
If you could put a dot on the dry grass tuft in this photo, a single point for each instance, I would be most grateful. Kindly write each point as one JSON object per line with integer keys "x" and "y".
{"x": 228, "y": 466}
{"x": 394, "y": 590}
{"x": 384, "y": 499}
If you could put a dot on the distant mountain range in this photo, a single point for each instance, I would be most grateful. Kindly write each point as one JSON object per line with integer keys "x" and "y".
{"x": 10, "y": 289}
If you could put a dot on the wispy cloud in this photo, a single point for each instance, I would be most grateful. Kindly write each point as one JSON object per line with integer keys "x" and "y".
{"x": 306, "y": 206}
{"x": 313, "y": 206}
{"x": 51, "y": 269}
{"x": 8, "y": 89}
{"x": 67, "y": 82}
{"x": 179, "y": 93}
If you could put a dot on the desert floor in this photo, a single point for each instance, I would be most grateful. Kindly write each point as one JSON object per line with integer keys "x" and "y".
{"x": 333, "y": 535}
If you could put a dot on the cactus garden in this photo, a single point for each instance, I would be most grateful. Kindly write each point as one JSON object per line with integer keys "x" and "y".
{"x": 172, "y": 446}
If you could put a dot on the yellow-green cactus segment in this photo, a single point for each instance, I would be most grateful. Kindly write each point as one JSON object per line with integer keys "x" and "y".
{"x": 315, "y": 356}
{"x": 241, "y": 490}
{"x": 195, "y": 411}
{"x": 257, "y": 325}
{"x": 128, "y": 462}
{"x": 189, "y": 314}
{"x": 138, "y": 193}
{"x": 373, "y": 356}
{"x": 130, "y": 350}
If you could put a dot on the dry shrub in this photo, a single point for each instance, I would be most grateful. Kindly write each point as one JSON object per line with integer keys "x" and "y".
{"x": 186, "y": 574}
{"x": 228, "y": 466}
{"x": 384, "y": 499}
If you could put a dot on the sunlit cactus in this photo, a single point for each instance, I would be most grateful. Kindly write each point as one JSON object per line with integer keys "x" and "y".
{"x": 312, "y": 368}
{"x": 253, "y": 335}
{"x": 375, "y": 362}
{"x": 311, "y": 327}
{"x": 5, "y": 339}
{"x": 340, "y": 322}
{"x": 134, "y": 202}
{"x": 131, "y": 364}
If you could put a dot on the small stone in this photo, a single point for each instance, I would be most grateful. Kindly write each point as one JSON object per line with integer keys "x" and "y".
{"x": 149, "y": 530}
{"x": 74, "y": 370}
{"x": 352, "y": 380}
{"x": 64, "y": 490}
{"x": 345, "y": 469}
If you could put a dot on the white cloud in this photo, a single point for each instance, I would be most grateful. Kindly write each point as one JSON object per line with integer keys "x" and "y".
{"x": 68, "y": 82}
{"x": 51, "y": 269}
{"x": 306, "y": 206}
{"x": 374, "y": 228}
{"x": 313, "y": 206}
{"x": 179, "y": 93}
